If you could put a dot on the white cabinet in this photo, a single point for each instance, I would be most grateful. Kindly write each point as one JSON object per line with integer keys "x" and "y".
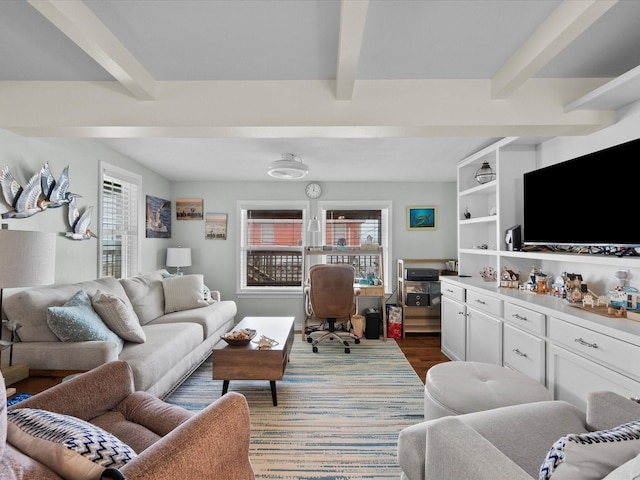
{"x": 484, "y": 337}
{"x": 572, "y": 377}
{"x": 570, "y": 350}
{"x": 454, "y": 326}
{"x": 525, "y": 353}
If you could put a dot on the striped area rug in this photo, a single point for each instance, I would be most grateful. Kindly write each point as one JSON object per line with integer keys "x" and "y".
{"x": 338, "y": 415}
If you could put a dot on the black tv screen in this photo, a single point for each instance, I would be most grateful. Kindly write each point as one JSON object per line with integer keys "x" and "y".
{"x": 591, "y": 200}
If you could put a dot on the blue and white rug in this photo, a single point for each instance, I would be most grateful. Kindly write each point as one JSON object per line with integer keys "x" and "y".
{"x": 338, "y": 415}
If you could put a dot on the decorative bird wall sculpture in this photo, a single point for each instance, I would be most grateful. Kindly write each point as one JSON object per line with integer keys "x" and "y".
{"x": 56, "y": 192}
{"x": 79, "y": 223}
{"x": 26, "y": 201}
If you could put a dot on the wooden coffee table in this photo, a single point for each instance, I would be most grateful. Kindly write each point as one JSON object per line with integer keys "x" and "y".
{"x": 248, "y": 362}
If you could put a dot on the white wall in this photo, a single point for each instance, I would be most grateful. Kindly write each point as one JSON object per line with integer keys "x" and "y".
{"x": 75, "y": 260}
{"x": 216, "y": 259}
{"x": 600, "y": 279}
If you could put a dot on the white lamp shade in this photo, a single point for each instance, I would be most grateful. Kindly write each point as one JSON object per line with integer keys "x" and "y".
{"x": 178, "y": 257}
{"x": 314, "y": 225}
{"x": 27, "y": 258}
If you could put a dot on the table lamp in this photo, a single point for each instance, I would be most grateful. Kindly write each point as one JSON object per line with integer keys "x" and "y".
{"x": 27, "y": 259}
{"x": 178, "y": 257}
{"x": 313, "y": 228}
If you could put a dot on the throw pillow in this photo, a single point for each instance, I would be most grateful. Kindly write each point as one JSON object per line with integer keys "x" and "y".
{"x": 71, "y": 447}
{"x": 183, "y": 293}
{"x": 77, "y": 321}
{"x": 118, "y": 316}
{"x": 206, "y": 290}
{"x": 591, "y": 455}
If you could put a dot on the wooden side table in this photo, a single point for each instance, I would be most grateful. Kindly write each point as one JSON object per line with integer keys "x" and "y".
{"x": 15, "y": 373}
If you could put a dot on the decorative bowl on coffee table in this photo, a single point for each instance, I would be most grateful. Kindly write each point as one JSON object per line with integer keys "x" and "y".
{"x": 239, "y": 337}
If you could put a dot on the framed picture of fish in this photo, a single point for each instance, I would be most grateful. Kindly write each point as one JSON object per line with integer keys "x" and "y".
{"x": 421, "y": 218}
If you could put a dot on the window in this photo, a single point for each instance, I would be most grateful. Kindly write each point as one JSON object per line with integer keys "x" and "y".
{"x": 356, "y": 223}
{"x": 120, "y": 228}
{"x": 272, "y": 239}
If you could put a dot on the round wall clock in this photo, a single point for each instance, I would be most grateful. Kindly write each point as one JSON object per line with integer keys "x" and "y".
{"x": 313, "y": 190}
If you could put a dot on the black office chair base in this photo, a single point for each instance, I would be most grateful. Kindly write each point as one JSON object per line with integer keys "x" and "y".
{"x": 331, "y": 334}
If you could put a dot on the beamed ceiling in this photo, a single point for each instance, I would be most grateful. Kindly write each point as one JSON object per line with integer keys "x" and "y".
{"x": 378, "y": 90}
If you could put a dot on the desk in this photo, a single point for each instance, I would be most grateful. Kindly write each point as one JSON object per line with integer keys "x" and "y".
{"x": 346, "y": 255}
{"x": 373, "y": 291}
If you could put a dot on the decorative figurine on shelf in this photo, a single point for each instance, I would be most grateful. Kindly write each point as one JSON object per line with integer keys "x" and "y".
{"x": 558, "y": 286}
{"x": 467, "y": 214}
{"x": 573, "y": 287}
{"x": 342, "y": 244}
{"x": 509, "y": 278}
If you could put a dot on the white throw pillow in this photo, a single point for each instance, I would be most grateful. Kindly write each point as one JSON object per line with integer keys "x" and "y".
{"x": 73, "y": 448}
{"x": 183, "y": 293}
{"x": 118, "y": 316}
{"x": 592, "y": 455}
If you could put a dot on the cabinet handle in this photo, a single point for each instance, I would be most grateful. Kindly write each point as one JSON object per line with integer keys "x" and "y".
{"x": 449, "y": 290}
{"x": 461, "y": 312}
{"x": 585, "y": 343}
{"x": 518, "y": 352}
{"x": 520, "y": 317}
{"x": 481, "y": 302}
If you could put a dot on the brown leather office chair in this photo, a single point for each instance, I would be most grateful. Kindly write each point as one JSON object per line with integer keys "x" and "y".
{"x": 332, "y": 300}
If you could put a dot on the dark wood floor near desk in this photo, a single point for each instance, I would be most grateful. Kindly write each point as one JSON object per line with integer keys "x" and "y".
{"x": 422, "y": 352}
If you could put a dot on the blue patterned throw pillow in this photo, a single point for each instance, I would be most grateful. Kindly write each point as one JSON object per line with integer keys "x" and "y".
{"x": 591, "y": 455}
{"x": 77, "y": 321}
{"x": 71, "y": 447}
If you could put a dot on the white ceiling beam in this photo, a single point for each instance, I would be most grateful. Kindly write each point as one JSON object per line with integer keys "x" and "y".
{"x": 382, "y": 109}
{"x": 563, "y": 26}
{"x": 353, "y": 15}
{"x": 83, "y": 27}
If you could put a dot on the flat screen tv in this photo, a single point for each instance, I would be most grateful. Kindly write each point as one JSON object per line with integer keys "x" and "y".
{"x": 590, "y": 200}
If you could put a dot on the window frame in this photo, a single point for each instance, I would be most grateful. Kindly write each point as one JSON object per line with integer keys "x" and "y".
{"x": 107, "y": 169}
{"x": 242, "y": 206}
{"x": 386, "y": 206}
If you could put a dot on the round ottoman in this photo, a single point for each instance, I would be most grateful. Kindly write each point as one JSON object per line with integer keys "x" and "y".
{"x": 454, "y": 388}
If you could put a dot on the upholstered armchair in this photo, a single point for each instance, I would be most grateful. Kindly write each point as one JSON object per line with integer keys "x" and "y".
{"x": 169, "y": 441}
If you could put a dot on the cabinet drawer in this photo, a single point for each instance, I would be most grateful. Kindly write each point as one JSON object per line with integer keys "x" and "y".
{"x": 452, "y": 291}
{"x": 621, "y": 356}
{"x": 524, "y": 318}
{"x": 524, "y": 353}
{"x": 484, "y": 302}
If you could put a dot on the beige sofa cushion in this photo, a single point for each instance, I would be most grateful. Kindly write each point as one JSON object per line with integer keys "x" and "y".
{"x": 30, "y": 306}
{"x": 146, "y": 295}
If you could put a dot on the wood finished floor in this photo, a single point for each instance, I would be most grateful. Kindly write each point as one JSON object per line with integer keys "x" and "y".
{"x": 421, "y": 350}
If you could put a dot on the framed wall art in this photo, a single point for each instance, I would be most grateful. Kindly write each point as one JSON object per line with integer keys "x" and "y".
{"x": 421, "y": 218}
{"x": 189, "y": 209}
{"x": 158, "y": 218}
{"x": 215, "y": 226}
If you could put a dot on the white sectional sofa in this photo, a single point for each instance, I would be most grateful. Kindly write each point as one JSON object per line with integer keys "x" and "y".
{"x": 179, "y": 328}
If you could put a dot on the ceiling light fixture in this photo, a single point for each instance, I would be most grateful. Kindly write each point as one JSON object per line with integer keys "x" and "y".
{"x": 290, "y": 167}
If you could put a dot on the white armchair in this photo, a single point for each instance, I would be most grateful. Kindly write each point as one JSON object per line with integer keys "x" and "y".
{"x": 508, "y": 443}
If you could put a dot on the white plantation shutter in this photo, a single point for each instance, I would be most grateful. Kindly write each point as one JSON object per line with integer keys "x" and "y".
{"x": 120, "y": 223}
